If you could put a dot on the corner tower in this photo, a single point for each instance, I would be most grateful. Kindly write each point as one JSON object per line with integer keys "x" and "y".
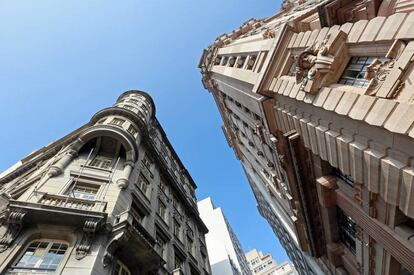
{"x": 112, "y": 197}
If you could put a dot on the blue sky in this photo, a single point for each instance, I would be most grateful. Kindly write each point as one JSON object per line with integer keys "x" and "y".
{"x": 62, "y": 61}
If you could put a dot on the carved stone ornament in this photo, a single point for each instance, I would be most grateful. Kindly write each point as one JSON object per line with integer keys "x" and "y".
{"x": 89, "y": 229}
{"x": 14, "y": 226}
{"x": 376, "y": 73}
{"x": 316, "y": 65}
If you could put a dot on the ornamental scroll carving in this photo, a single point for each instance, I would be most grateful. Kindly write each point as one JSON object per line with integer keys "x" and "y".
{"x": 317, "y": 65}
{"x": 14, "y": 226}
{"x": 89, "y": 229}
{"x": 378, "y": 71}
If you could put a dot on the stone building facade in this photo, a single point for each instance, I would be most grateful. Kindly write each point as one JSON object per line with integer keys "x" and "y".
{"x": 317, "y": 103}
{"x": 112, "y": 197}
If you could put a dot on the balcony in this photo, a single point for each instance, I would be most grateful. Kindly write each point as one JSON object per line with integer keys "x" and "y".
{"x": 60, "y": 210}
{"x": 74, "y": 203}
{"x": 139, "y": 247}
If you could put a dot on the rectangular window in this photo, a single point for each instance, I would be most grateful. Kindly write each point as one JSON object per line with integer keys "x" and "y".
{"x": 147, "y": 161}
{"x": 136, "y": 212}
{"x": 101, "y": 162}
{"x": 161, "y": 246}
{"x": 177, "y": 229}
{"x": 132, "y": 130}
{"x": 190, "y": 245}
{"x": 232, "y": 61}
{"x": 251, "y": 62}
{"x": 128, "y": 107}
{"x": 143, "y": 184}
{"x": 224, "y": 61}
{"x": 84, "y": 192}
{"x": 41, "y": 256}
{"x": 162, "y": 210}
{"x": 240, "y": 62}
{"x": 117, "y": 121}
{"x": 163, "y": 187}
{"x": 178, "y": 262}
{"x": 292, "y": 69}
{"x": 347, "y": 230}
{"x": 217, "y": 61}
{"x": 354, "y": 74}
{"x": 346, "y": 178}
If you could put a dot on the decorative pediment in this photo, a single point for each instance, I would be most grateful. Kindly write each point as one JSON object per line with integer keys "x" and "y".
{"x": 316, "y": 65}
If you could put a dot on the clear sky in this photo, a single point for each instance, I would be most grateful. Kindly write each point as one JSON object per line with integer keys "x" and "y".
{"x": 62, "y": 61}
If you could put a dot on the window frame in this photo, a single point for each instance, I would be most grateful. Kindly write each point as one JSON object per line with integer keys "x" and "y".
{"x": 50, "y": 243}
{"x": 122, "y": 266}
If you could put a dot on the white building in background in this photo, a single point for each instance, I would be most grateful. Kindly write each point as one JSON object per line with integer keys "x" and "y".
{"x": 264, "y": 264}
{"x": 225, "y": 252}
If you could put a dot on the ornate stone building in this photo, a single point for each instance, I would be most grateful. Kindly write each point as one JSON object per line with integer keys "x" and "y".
{"x": 112, "y": 197}
{"x": 317, "y": 103}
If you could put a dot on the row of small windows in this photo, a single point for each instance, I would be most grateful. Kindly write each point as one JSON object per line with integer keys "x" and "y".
{"x": 120, "y": 122}
{"x": 241, "y": 62}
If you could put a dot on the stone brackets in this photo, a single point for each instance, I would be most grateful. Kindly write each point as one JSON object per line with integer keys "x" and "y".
{"x": 14, "y": 226}
{"x": 89, "y": 229}
{"x": 316, "y": 65}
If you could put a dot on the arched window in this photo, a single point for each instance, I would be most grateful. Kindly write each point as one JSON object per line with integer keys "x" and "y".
{"x": 40, "y": 256}
{"x": 121, "y": 269}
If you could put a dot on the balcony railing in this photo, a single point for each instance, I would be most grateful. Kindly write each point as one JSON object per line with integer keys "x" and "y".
{"x": 74, "y": 203}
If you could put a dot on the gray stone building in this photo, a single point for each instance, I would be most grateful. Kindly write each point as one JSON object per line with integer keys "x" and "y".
{"x": 112, "y": 197}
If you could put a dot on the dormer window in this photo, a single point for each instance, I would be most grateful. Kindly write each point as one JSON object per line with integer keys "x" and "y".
{"x": 354, "y": 74}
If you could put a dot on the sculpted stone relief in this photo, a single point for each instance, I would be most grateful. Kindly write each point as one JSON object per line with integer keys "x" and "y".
{"x": 316, "y": 65}
{"x": 378, "y": 71}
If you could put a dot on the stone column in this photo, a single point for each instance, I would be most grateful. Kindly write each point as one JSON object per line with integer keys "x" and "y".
{"x": 57, "y": 168}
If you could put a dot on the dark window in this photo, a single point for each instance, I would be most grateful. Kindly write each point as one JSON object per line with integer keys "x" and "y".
{"x": 346, "y": 178}
{"x": 240, "y": 62}
{"x": 347, "y": 230}
{"x": 292, "y": 69}
{"x": 354, "y": 74}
